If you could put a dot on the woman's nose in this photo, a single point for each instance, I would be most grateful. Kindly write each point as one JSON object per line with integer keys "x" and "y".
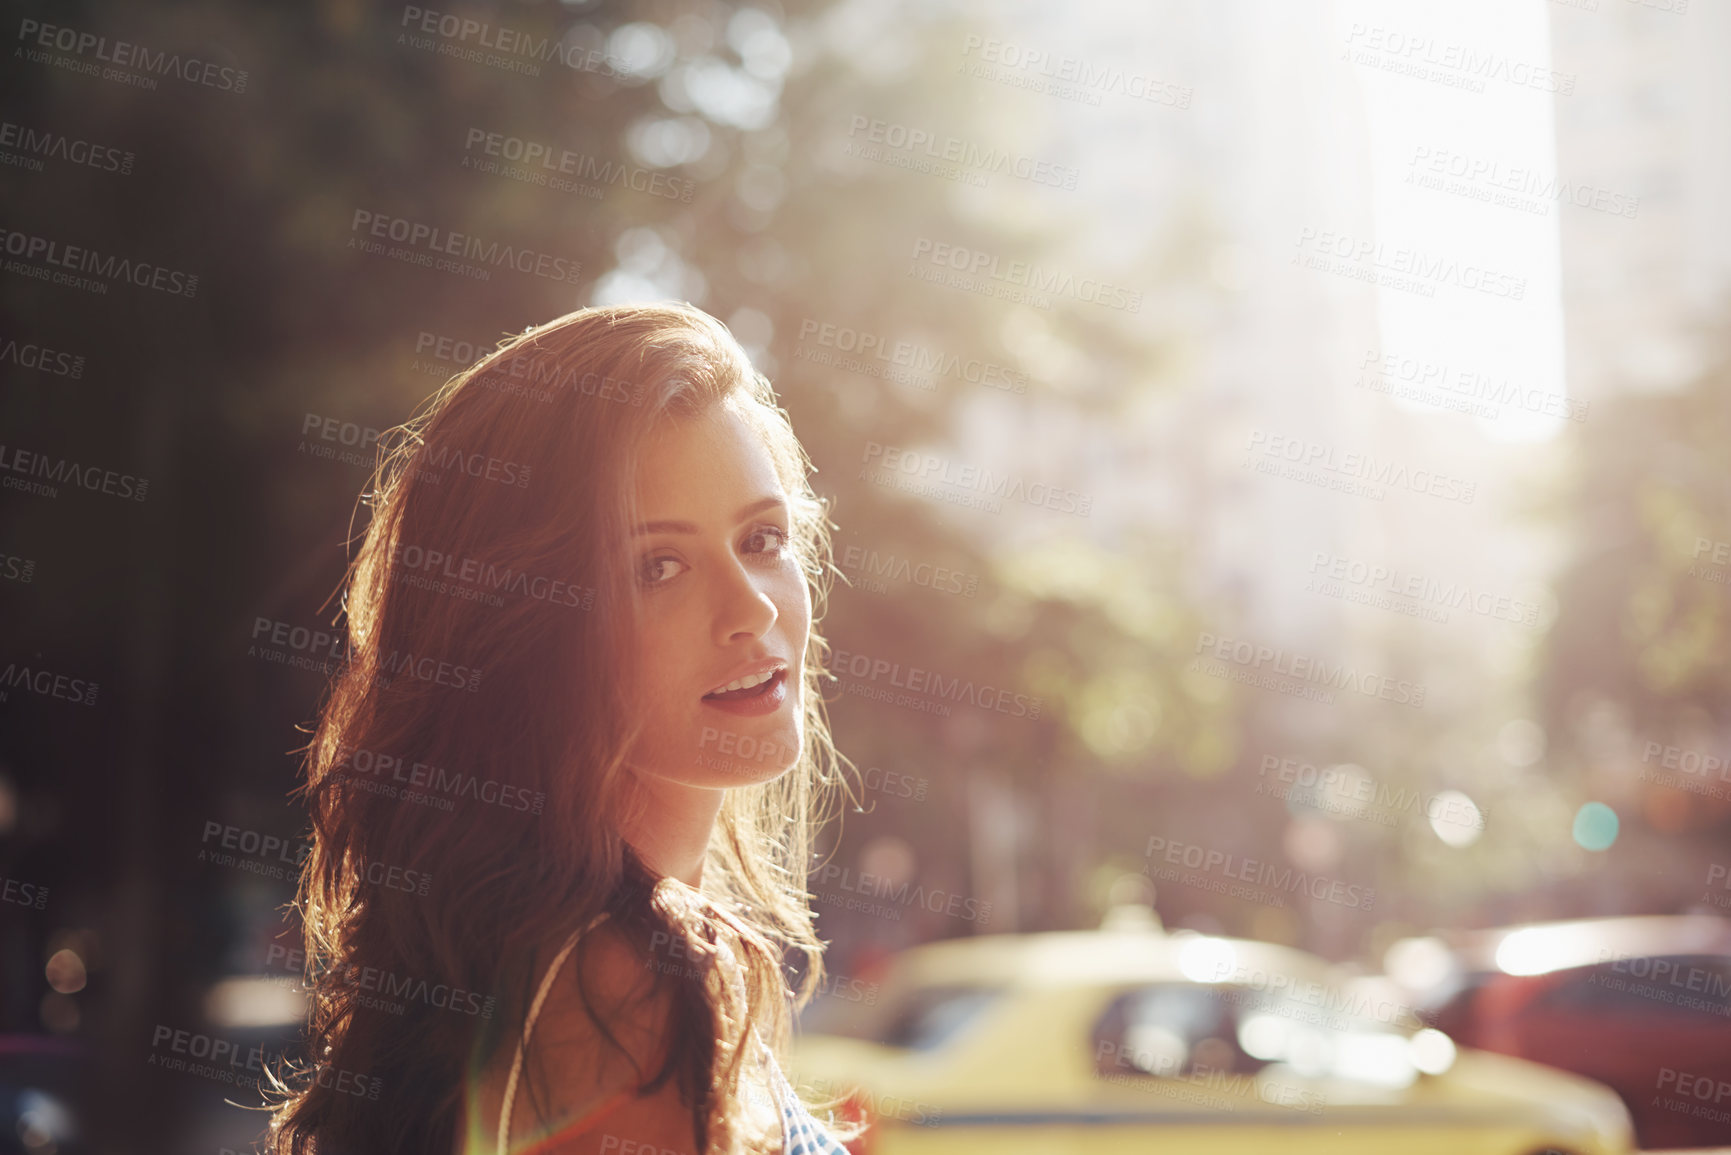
{"x": 742, "y": 607}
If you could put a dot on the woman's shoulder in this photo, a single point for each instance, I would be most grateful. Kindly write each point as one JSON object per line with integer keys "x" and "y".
{"x": 610, "y": 974}
{"x": 582, "y": 1072}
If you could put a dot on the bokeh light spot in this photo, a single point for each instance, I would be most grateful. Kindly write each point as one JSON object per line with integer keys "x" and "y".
{"x": 1595, "y": 826}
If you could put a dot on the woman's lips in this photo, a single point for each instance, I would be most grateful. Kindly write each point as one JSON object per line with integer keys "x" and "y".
{"x": 764, "y": 698}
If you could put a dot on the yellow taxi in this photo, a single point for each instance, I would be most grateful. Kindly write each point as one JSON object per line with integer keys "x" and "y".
{"x": 1130, "y": 1039}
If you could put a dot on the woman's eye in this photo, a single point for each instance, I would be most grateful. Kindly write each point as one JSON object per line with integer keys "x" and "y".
{"x": 774, "y": 534}
{"x": 653, "y": 571}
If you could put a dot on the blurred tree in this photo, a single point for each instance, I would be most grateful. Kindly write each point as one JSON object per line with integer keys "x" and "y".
{"x": 1635, "y": 688}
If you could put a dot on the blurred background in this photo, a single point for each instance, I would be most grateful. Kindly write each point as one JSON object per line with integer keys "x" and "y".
{"x": 1278, "y": 451}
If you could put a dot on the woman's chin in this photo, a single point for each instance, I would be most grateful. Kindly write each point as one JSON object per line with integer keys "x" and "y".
{"x": 717, "y": 758}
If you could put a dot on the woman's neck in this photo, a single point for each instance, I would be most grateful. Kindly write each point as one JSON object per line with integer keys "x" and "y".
{"x": 673, "y": 825}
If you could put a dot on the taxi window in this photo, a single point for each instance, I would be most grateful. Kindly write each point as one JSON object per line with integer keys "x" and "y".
{"x": 932, "y": 1016}
{"x": 1168, "y": 1030}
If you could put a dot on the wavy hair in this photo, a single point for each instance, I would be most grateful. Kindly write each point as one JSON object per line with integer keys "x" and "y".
{"x": 459, "y": 682}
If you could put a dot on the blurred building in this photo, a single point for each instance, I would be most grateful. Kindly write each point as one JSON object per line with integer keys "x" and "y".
{"x": 1650, "y": 121}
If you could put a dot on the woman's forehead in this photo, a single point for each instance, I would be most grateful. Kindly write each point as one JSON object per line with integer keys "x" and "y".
{"x": 710, "y": 459}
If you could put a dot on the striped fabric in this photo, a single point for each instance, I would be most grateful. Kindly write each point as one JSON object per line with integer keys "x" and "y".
{"x": 804, "y": 1134}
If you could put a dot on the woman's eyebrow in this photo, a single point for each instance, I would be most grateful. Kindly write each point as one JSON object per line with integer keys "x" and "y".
{"x": 757, "y": 506}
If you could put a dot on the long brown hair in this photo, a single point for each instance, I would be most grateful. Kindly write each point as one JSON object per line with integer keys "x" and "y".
{"x": 466, "y": 776}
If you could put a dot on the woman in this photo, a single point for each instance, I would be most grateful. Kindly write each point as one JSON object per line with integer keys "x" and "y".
{"x": 580, "y": 714}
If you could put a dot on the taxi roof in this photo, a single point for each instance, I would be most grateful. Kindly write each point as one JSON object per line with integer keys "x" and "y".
{"x": 1068, "y": 958}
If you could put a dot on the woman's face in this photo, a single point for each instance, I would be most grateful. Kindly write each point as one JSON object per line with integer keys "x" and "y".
{"x": 725, "y": 603}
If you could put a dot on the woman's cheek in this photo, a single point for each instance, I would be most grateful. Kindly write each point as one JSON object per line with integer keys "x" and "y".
{"x": 659, "y": 683}
{"x": 794, "y": 604}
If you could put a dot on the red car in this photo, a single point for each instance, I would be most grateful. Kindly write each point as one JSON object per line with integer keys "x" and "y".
{"x": 1643, "y": 1005}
